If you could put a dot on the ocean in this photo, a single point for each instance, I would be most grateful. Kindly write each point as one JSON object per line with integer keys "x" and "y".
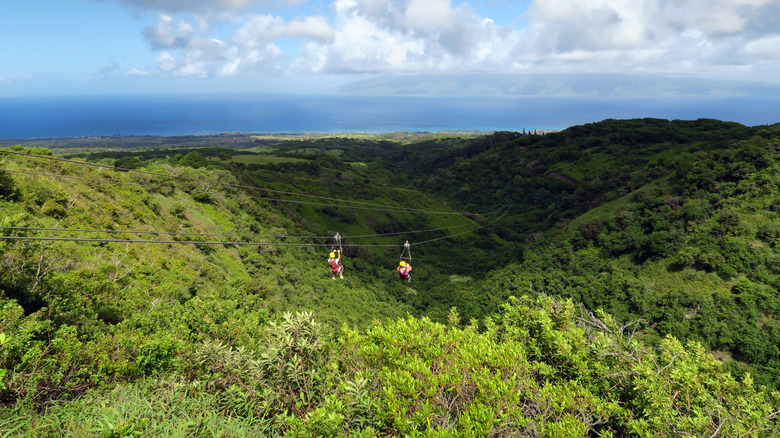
{"x": 56, "y": 117}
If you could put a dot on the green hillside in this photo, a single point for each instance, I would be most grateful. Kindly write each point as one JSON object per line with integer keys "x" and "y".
{"x": 679, "y": 233}
{"x": 613, "y": 279}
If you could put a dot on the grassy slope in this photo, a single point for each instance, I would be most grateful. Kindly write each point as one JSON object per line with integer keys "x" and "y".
{"x": 198, "y": 292}
{"x": 287, "y": 277}
{"x": 690, "y": 247}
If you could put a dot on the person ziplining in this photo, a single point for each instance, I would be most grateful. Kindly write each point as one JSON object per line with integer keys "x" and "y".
{"x": 405, "y": 267}
{"x": 334, "y": 259}
{"x": 404, "y": 271}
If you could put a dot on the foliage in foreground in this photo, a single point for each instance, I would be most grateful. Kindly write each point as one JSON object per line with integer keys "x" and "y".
{"x": 542, "y": 367}
{"x": 673, "y": 222}
{"x": 95, "y": 337}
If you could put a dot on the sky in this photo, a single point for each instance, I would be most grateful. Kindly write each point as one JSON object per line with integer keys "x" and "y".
{"x": 51, "y": 47}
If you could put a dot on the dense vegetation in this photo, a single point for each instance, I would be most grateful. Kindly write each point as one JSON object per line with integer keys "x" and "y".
{"x": 621, "y": 280}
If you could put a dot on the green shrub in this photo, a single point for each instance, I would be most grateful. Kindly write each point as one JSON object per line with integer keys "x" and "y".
{"x": 8, "y": 189}
{"x": 293, "y": 363}
{"x": 54, "y": 209}
{"x": 159, "y": 353}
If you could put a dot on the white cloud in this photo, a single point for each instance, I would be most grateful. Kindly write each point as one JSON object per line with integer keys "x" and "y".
{"x": 165, "y": 35}
{"x": 429, "y": 15}
{"x": 315, "y": 28}
{"x": 764, "y": 47}
{"x": 134, "y": 72}
{"x": 713, "y": 16}
{"x": 167, "y": 63}
{"x": 421, "y": 16}
{"x": 411, "y": 36}
{"x": 562, "y": 35}
{"x": 361, "y": 44}
{"x": 416, "y": 36}
{"x": 251, "y": 49}
{"x": 262, "y": 29}
{"x": 577, "y": 25}
{"x": 203, "y": 5}
{"x": 673, "y": 36}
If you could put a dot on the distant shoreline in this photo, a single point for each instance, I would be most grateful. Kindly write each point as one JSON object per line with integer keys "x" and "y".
{"x": 253, "y": 135}
{"x": 150, "y": 117}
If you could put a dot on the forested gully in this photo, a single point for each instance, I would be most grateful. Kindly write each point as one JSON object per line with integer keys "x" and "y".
{"x": 614, "y": 279}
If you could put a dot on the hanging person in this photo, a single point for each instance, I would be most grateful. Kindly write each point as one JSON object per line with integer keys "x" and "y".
{"x": 335, "y": 264}
{"x": 404, "y": 271}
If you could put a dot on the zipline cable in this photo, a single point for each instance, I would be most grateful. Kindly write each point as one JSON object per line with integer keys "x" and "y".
{"x": 382, "y": 208}
{"x": 494, "y": 212}
{"x": 462, "y": 232}
{"x": 172, "y": 233}
{"x": 196, "y": 242}
{"x": 386, "y": 208}
{"x": 249, "y": 236}
{"x": 146, "y": 172}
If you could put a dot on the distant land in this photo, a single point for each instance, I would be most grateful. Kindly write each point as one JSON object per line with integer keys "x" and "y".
{"x": 362, "y": 108}
{"x": 562, "y": 85}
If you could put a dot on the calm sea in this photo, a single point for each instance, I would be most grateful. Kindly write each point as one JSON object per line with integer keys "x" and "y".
{"x": 176, "y": 115}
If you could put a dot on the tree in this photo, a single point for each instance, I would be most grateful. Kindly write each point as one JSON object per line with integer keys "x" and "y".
{"x": 193, "y": 159}
{"x": 7, "y": 187}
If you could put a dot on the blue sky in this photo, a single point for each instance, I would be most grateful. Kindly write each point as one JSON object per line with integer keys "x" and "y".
{"x": 157, "y": 46}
